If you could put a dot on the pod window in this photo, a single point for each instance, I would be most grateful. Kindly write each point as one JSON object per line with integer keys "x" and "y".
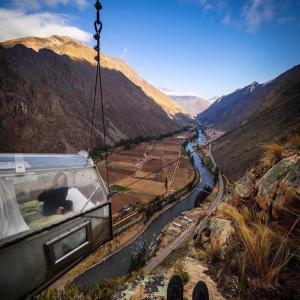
{"x": 69, "y": 243}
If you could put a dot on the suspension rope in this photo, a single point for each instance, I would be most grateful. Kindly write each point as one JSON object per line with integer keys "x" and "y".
{"x": 93, "y": 115}
{"x": 98, "y": 29}
{"x": 211, "y": 142}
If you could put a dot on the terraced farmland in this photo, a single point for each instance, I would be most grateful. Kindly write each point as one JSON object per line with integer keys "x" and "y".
{"x": 125, "y": 167}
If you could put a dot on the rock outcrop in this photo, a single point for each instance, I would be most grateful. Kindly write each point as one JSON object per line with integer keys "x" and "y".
{"x": 245, "y": 188}
{"x": 217, "y": 235}
{"x": 279, "y": 190}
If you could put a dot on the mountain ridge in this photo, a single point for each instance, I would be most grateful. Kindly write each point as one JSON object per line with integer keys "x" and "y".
{"x": 64, "y": 45}
{"x": 240, "y": 151}
{"x": 46, "y": 104}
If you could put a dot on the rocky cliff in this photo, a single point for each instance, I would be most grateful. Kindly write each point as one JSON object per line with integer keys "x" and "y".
{"x": 251, "y": 243}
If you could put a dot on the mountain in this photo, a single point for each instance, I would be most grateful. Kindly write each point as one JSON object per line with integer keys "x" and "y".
{"x": 240, "y": 150}
{"x": 191, "y": 104}
{"x": 46, "y": 87}
{"x": 229, "y": 110}
{"x": 64, "y": 45}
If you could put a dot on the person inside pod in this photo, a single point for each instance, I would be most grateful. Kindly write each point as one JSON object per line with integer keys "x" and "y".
{"x": 54, "y": 199}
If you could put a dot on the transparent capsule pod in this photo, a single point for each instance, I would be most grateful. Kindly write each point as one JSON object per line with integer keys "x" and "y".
{"x": 54, "y": 210}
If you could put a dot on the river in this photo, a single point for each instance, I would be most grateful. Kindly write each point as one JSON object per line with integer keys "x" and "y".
{"x": 118, "y": 264}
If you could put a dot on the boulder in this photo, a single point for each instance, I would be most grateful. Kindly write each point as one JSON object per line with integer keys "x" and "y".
{"x": 287, "y": 201}
{"x": 245, "y": 187}
{"x": 221, "y": 232}
{"x": 279, "y": 188}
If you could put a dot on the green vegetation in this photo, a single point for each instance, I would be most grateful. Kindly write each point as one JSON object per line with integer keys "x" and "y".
{"x": 103, "y": 290}
{"x": 209, "y": 163}
{"x": 119, "y": 188}
{"x": 98, "y": 152}
{"x": 152, "y": 208}
{"x": 124, "y": 223}
{"x": 179, "y": 269}
{"x": 183, "y": 152}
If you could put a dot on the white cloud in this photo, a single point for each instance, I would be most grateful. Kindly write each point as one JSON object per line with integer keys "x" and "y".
{"x": 17, "y": 24}
{"x": 212, "y": 4}
{"x": 170, "y": 92}
{"x": 227, "y": 20}
{"x": 256, "y": 12}
{"x": 286, "y": 20}
{"x": 38, "y": 4}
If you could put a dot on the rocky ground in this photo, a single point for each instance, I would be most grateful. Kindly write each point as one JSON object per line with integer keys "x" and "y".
{"x": 251, "y": 243}
{"x": 154, "y": 286}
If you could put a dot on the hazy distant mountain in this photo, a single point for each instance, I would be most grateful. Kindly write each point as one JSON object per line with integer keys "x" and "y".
{"x": 191, "y": 104}
{"x": 240, "y": 150}
{"x": 46, "y": 87}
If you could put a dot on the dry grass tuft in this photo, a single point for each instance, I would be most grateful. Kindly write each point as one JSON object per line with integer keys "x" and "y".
{"x": 273, "y": 154}
{"x": 180, "y": 269}
{"x": 265, "y": 253}
{"x": 294, "y": 141}
{"x": 209, "y": 254}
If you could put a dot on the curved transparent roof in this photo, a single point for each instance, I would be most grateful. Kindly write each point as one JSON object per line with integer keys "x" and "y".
{"x": 19, "y": 163}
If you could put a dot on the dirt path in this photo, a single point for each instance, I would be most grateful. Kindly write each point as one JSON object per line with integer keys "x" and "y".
{"x": 197, "y": 272}
{"x": 170, "y": 182}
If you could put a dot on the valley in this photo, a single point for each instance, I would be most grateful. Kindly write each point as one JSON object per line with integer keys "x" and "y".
{"x": 127, "y": 166}
{"x": 150, "y": 150}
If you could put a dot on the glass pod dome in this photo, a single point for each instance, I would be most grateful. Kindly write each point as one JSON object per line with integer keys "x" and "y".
{"x": 41, "y": 189}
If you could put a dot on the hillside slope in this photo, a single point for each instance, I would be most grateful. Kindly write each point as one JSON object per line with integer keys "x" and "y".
{"x": 46, "y": 101}
{"x": 239, "y": 151}
{"x": 191, "y": 104}
{"x": 79, "y": 51}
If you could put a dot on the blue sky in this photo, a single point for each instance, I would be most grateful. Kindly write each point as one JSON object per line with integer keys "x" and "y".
{"x": 202, "y": 47}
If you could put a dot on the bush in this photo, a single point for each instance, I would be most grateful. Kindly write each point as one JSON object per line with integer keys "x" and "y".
{"x": 273, "y": 154}
{"x": 209, "y": 163}
{"x": 265, "y": 252}
{"x": 210, "y": 254}
{"x": 103, "y": 290}
{"x": 179, "y": 269}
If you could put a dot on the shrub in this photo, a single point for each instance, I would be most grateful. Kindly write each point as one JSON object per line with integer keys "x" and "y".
{"x": 208, "y": 163}
{"x": 273, "y": 154}
{"x": 210, "y": 254}
{"x": 179, "y": 269}
{"x": 105, "y": 289}
{"x": 265, "y": 251}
